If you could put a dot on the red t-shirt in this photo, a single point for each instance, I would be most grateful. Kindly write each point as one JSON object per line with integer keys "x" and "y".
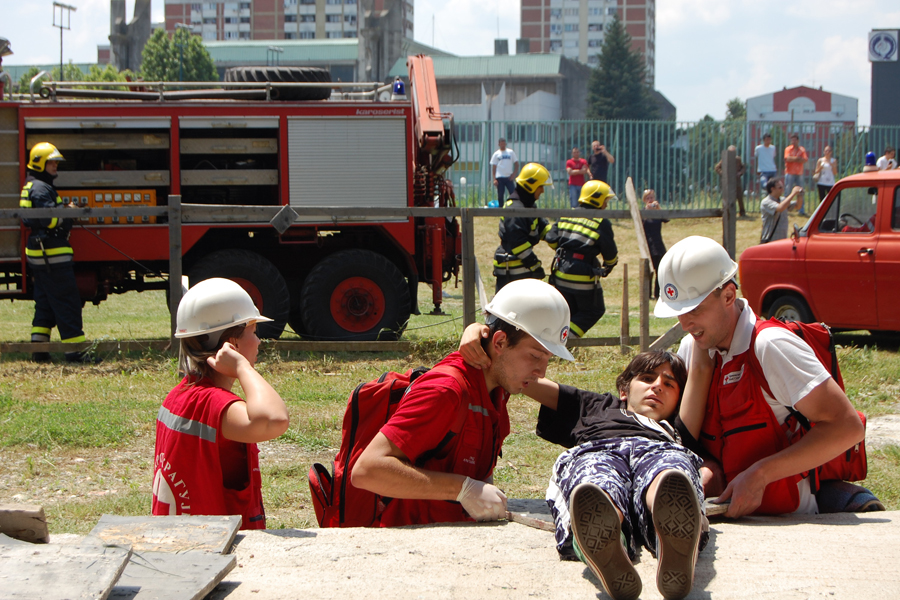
{"x": 576, "y": 164}
{"x": 424, "y": 418}
{"x": 795, "y": 168}
{"x": 198, "y": 471}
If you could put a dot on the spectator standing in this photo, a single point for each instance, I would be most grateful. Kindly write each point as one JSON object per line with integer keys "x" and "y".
{"x": 599, "y": 162}
{"x": 504, "y": 166}
{"x": 795, "y": 158}
{"x": 826, "y": 167}
{"x": 577, "y": 168}
{"x": 653, "y": 233}
{"x": 773, "y": 207}
{"x": 738, "y": 173}
{"x": 887, "y": 162}
{"x": 765, "y": 161}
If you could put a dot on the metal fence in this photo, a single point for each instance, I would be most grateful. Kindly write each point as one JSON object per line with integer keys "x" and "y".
{"x": 677, "y": 159}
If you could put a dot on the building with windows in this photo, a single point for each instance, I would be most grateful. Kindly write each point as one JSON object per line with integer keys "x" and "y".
{"x": 221, "y": 20}
{"x": 575, "y": 28}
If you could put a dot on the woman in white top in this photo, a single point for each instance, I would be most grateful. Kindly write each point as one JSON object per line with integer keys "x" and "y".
{"x": 826, "y": 167}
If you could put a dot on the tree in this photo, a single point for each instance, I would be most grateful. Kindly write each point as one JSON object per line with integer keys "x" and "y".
{"x": 162, "y": 58}
{"x": 735, "y": 110}
{"x": 617, "y": 88}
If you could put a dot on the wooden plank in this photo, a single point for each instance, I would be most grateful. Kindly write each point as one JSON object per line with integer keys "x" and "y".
{"x": 531, "y": 512}
{"x": 673, "y": 335}
{"x": 175, "y": 266}
{"x": 182, "y": 576}
{"x": 169, "y": 534}
{"x": 60, "y": 572}
{"x": 24, "y": 522}
{"x": 468, "y": 266}
{"x": 645, "y": 285}
{"x": 161, "y": 345}
{"x": 729, "y": 199}
{"x": 603, "y": 341}
{"x": 625, "y": 324}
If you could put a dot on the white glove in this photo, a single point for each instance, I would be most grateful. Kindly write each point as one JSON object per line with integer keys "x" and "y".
{"x": 483, "y": 501}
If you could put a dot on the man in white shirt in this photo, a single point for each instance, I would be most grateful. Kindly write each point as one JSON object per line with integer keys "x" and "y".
{"x": 887, "y": 161}
{"x": 504, "y": 166}
{"x": 765, "y": 161}
{"x": 773, "y": 209}
{"x": 697, "y": 280}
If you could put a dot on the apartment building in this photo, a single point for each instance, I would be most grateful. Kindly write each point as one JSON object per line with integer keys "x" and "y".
{"x": 217, "y": 20}
{"x": 575, "y": 28}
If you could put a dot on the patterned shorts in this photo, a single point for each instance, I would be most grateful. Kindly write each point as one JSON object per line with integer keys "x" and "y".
{"x": 624, "y": 468}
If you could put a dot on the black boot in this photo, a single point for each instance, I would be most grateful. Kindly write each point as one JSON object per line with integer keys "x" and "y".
{"x": 40, "y": 357}
{"x": 85, "y": 358}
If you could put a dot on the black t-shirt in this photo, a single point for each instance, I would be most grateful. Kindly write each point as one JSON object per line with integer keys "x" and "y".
{"x": 599, "y": 167}
{"x": 653, "y": 232}
{"x": 583, "y": 416}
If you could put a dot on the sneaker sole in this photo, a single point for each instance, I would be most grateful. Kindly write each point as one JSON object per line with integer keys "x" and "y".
{"x": 676, "y": 517}
{"x": 596, "y": 527}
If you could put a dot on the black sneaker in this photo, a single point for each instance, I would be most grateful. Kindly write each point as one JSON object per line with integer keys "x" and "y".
{"x": 597, "y": 532}
{"x": 83, "y": 358}
{"x": 677, "y": 520}
{"x": 40, "y": 357}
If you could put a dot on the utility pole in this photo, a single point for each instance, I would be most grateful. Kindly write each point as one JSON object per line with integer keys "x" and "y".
{"x": 65, "y": 22}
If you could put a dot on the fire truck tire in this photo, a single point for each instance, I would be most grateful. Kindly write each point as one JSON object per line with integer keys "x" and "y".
{"x": 256, "y": 275}
{"x": 285, "y": 75}
{"x": 355, "y": 295}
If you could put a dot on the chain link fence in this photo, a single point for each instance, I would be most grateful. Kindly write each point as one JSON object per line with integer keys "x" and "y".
{"x": 677, "y": 159}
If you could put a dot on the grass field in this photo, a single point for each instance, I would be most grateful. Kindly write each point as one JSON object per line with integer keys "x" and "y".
{"x": 79, "y": 440}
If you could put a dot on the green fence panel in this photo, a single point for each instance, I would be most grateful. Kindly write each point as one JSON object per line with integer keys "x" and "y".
{"x": 677, "y": 159}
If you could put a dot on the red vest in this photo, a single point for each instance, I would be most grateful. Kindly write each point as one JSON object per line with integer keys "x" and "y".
{"x": 739, "y": 428}
{"x": 472, "y": 453}
{"x": 187, "y": 474}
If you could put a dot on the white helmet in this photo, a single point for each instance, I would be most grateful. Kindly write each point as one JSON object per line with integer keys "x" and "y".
{"x": 689, "y": 272}
{"x": 538, "y": 309}
{"x": 214, "y": 305}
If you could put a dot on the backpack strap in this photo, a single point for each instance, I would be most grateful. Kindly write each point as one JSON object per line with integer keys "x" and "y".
{"x": 458, "y": 420}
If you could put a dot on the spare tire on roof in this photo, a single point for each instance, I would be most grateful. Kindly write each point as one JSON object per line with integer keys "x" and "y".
{"x": 285, "y": 75}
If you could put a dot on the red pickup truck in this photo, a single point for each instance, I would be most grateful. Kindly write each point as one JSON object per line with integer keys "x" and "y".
{"x": 842, "y": 267}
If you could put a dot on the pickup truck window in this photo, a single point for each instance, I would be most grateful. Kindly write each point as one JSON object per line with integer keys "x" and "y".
{"x": 851, "y": 211}
{"x": 895, "y": 210}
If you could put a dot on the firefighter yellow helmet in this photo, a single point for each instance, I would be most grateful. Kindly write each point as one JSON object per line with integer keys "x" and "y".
{"x": 532, "y": 176}
{"x": 595, "y": 194}
{"x": 40, "y": 154}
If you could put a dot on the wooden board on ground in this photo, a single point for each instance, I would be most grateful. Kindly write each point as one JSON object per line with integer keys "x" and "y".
{"x": 169, "y": 534}
{"x": 24, "y": 522}
{"x": 529, "y": 511}
{"x": 713, "y": 509}
{"x": 51, "y": 571}
{"x": 673, "y": 335}
{"x": 182, "y": 576}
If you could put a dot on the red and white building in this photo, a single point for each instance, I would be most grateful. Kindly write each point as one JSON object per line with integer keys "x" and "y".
{"x": 804, "y": 110}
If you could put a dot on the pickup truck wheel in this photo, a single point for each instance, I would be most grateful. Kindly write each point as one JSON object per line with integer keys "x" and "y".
{"x": 255, "y": 274}
{"x": 355, "y": 295}
{"x": 791, "y": 308}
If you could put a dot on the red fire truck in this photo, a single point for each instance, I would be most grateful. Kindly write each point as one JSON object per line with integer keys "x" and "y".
{"x": 337, "y": 278}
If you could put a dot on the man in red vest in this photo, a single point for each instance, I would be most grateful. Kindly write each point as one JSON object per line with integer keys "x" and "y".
{"x": 697, "y": 283}
{"x": 529, "y": 323}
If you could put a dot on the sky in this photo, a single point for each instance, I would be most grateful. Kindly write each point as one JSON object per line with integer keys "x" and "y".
{"x": 707, "y": 51}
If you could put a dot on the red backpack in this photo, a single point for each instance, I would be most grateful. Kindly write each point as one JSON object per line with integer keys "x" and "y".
{"x": 852, "y": 465}
{"x": 336, "y": 501}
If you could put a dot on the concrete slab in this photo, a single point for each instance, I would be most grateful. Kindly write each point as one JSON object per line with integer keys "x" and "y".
{"x": 50, "y": 571}
{"x": 832, "y": 556}
{"x": 169, "y": 534}
{"x": 166, "y": 576}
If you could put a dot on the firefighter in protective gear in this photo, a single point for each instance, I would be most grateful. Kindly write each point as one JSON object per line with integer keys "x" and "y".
{"x": 57, "y": 302}
{"x": 515, "y": 258}
{"x": 577, "y": 270}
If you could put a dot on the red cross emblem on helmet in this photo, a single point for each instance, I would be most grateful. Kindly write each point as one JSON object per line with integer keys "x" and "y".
{"x": 564, "y": 335}
{"x": 671, "y": 291}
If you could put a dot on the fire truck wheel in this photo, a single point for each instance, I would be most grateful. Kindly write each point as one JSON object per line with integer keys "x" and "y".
{"x": 256, "y": 275}
{"x": 355, "y": 295}
{"x": 285, "y": 75}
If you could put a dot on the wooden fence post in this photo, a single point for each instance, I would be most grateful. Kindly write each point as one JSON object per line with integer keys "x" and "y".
{"x": 624, "y": 335}
{"x": 174, "y": 264}
{"x": 468, "y": 266}
{"x": 646, "y": 286}
{"x": 729, "y": 197}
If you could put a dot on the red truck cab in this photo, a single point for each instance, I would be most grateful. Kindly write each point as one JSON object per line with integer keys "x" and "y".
{"x": 842, "y": 267}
